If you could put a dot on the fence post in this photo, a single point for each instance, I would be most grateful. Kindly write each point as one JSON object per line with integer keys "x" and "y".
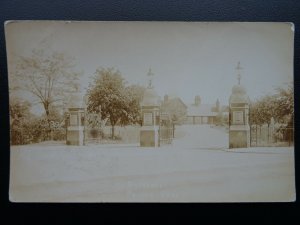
{"x": 256, "y": 135}
{"x": 289, "y": 132}
{"x": 173, "y": 130}
{"x": 268, "y": 134}
{"x": 250, "y": 135}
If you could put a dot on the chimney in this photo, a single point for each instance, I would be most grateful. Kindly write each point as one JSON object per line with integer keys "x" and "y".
{"x": 197, "y": 100}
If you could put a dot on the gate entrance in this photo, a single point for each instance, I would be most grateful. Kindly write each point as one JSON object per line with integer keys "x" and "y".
{"x": 202, "y": 137}
{"x": 93, "y": 129}
{"x": 166, "y": 129}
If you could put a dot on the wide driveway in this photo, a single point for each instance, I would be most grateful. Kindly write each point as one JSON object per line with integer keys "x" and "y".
{"x": 201, "y": 137}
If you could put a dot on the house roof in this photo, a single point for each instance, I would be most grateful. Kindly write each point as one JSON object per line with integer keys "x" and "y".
{"x": 173, "y": 101}
{"x": 200, "y": 110}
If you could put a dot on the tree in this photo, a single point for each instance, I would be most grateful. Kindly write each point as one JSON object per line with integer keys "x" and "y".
{"x": 19, "y": 112}
{"x": 266, "y": 109}
{"x": 109, "y": 96}
{"x": 280, "y": 106}
{"x": 285, "y": 109}
{"x": 18, "y": 108}
{"x": 136, "y": 94}
{"x": 47, "y": 76}
{"x": 285, "y": 104}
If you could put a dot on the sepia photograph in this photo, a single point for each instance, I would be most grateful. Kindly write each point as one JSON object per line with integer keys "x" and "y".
{"x": 151, "y": 111}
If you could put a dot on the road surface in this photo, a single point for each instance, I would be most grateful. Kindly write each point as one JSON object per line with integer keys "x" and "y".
{"x": 201, "y": 137}
{"x": 203, "y": 171}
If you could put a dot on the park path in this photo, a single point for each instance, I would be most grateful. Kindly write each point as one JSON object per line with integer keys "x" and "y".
{"x": 200, "y": 137}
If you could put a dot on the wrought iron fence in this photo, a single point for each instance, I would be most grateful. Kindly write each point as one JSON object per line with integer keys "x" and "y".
{"x": 271, "y": 136}
{"x": 166, "y": 135}
{"x": 166, "y": 129}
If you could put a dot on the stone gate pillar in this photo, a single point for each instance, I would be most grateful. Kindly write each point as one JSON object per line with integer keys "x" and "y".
{"x": 75, "y": 120}
{"x": 239, "y": 129}
{"x": 150, "y": 110}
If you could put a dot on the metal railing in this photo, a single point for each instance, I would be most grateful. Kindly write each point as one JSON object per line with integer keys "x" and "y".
{"x": 270, "y": 136}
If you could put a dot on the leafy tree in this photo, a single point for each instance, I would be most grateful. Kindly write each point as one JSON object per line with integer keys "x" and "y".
{"x": 18, "y": 108}
{"x": 109, "y": 96}
{"x": 266, "y": 109}
{"x": 280, "y": 106}
{"x": 254, "y": 114}
{"x": 285, "y": 109}
{"x": 47, "y": 76}
{"x": 135, "y": 93}
{"x": 19, "y": 112}
{"x": 262, "y": 111}
{"x": 285, "y": 104}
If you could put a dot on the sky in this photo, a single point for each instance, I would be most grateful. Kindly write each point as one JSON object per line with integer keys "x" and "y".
{"x": 187, "y": 58}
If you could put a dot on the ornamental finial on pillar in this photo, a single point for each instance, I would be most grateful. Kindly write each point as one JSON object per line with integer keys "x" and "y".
{"x": 150, "y": 74}
{"x": 239, "y": 68}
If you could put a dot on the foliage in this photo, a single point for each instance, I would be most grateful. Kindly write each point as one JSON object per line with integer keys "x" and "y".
{"x": 135, "y": 93}
{"x": 262, "y": 110}
{"x": 109, "y": 96}
{"x": 280, "y": 106}
{"x": 47, "y": 76}
{"x": 19, "y": 112}
{"x": 26, "y": 128}
{"x": 18, "y": 108}
{"x": 285, "y": 104}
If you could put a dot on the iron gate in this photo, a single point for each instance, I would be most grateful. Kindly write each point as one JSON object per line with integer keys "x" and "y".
{"x": 166, "y": 129}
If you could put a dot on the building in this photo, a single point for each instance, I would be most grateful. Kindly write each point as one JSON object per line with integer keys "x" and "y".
{"x": 175, "y": 107}
{"x": 199, "y": 113}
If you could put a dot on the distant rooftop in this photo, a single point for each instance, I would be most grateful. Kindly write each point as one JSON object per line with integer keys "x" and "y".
{"x": 201, "y": 110}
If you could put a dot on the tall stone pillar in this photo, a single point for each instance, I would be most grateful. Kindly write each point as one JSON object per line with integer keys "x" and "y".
{"x": 75, "y": 120}
{"x": 239, "y": 129}
{"x": 150, "y": 110}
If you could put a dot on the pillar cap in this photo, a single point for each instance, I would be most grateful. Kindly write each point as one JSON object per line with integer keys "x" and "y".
{"x": 76, "y": 101}
{"x": 239, "y": 94}
{"x": 150, "y": 98}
